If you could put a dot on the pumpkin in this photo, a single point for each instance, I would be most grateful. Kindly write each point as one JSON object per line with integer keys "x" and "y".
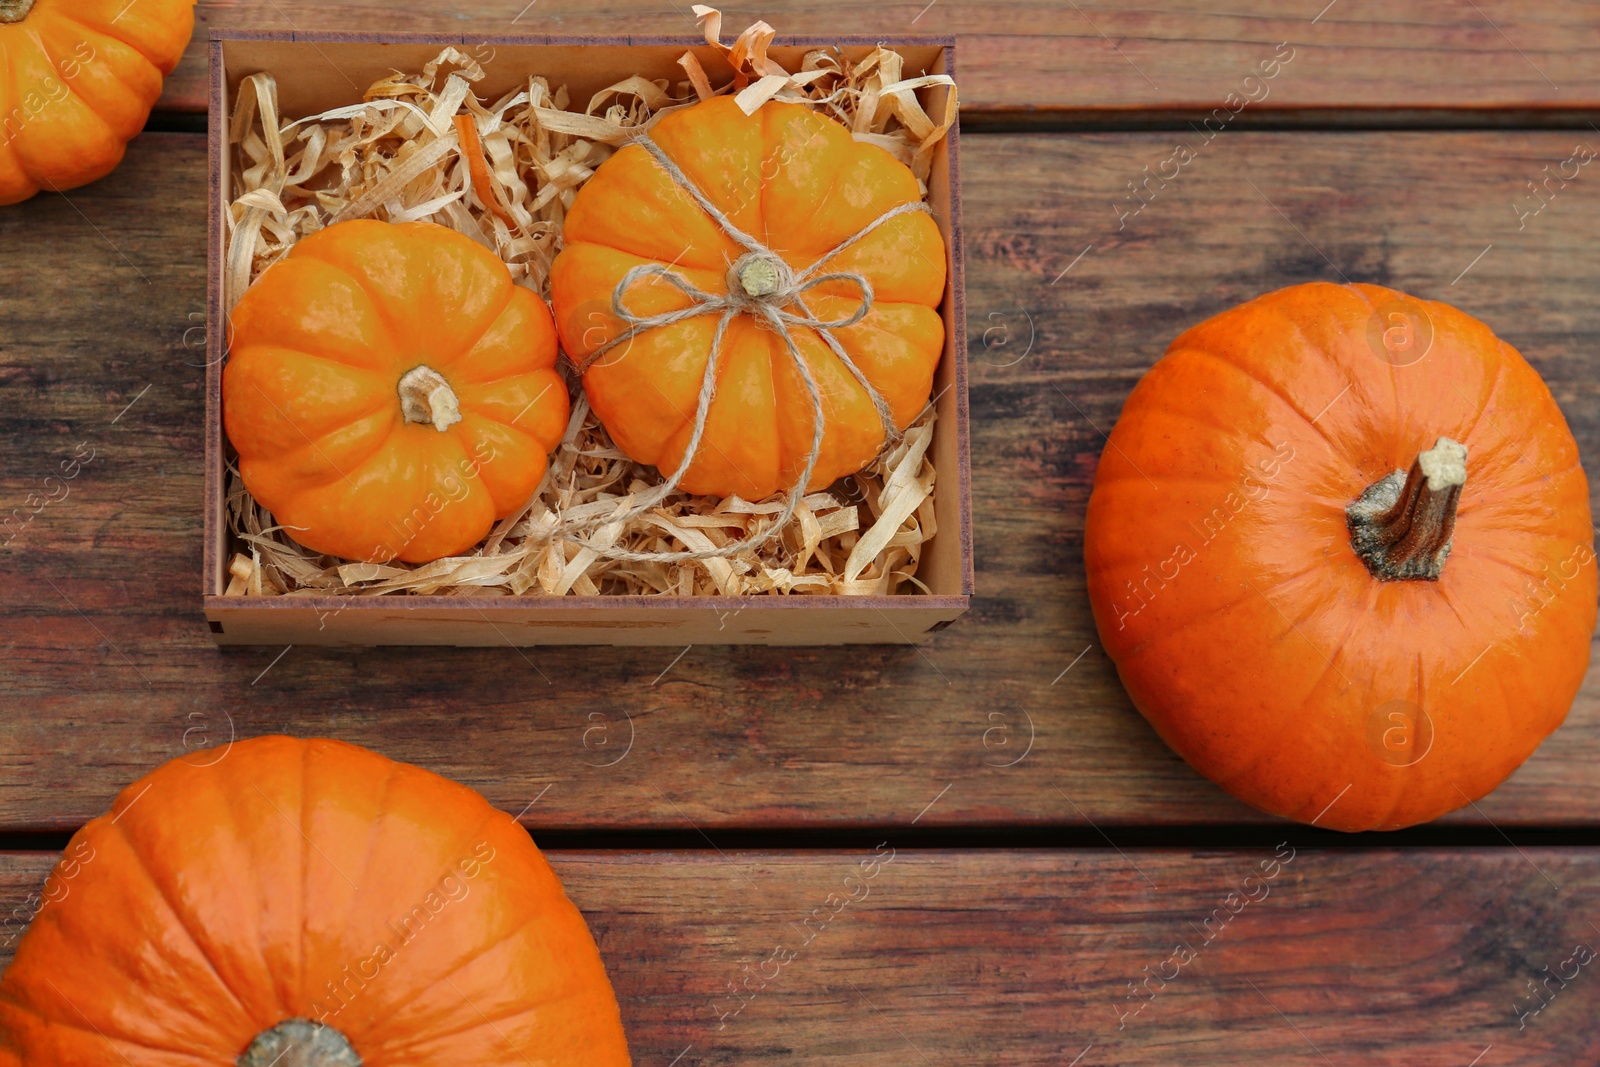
{"x": 793, "y": 186}
{"x": 80, "y": 77}
{"x": 305, "y": 902}
{"x": 391, "y": 392}
{"x": 1339, "y": 548}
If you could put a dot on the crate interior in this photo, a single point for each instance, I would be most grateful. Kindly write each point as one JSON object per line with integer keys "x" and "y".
{"x": 315, "y": 75}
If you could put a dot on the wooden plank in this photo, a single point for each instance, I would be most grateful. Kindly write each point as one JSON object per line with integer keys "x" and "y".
{"x": 1004, "y": 959}
{"x": 1020, "y": 56}
{"x": 108, "y": 660}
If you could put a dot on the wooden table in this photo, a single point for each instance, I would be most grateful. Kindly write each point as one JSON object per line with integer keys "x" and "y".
{"x": 1048, "y": 849}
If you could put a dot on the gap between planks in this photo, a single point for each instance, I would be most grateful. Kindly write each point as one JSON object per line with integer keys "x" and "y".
{"x": 1170, "y": 120}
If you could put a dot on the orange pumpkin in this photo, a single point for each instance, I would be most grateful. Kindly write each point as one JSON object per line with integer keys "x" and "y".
{"x": 391, "y": 392}
{"x": 798, "y": 185}
{"x": 305, "y": 902}
{"x": 80, "y": 77}
{"x": 1339, "y": 547}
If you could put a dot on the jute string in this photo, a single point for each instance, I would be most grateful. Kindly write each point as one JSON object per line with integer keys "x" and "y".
{"x": 782, "y": 288}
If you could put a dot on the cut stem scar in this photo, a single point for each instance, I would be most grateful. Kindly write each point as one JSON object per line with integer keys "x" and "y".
{"x": 299, "y": 1043}
{"x": 15, "y": 10}
{"x": 426, "y": 398}
{"x": 759, "y": 276}
{"x": 1402, "y": 524}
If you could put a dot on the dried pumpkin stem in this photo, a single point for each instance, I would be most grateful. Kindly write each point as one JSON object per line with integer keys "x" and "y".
{"x": 762, "y": 278}
{"x": 426, "y": 398}
{"x": 759, "y": 276}
{"x": 300, "y": 1043}
{"x": 1402, "y": 524}
{"x": 15, "y": 10}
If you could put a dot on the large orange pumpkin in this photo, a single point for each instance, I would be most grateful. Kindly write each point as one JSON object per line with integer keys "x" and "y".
{"x": 1339, "y": 547}
{"x": 312, "y": 903}
{"x": 798, "y": 185}
{"x": 391, "y": 392}
{"x": 80, "y": 77}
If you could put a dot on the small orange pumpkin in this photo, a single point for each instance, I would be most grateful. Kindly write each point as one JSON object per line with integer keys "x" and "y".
{"x": 1339, "y": 547}
{"x": 285, "y": 901}
{"x": 798, "y": 186}
{"x": 80, "y": 77}
{"x": 391, "y": 392}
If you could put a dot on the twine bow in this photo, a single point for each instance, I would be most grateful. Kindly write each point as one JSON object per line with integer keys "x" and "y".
{"x": 762, "y": 284}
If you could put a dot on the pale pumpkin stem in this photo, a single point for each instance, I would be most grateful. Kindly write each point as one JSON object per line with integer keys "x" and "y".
{"x": 1402, "y": 524}
{"x": 299, "y": 1043}
{"x": 426, "y": 398}
{"x": 761, "y": 277}
{"x": 14, "y": 10}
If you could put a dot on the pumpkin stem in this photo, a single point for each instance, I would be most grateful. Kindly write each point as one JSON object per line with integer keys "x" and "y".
{"x": 299, "y": 1043}
{"x": 14, "y": 10}
{"x": 1402, "y": 524}
{"x": 426, "y": 398}
{"x": 761, "y": 277}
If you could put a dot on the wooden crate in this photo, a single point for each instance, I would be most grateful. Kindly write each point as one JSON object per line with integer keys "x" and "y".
{"x": 317, "y": 72}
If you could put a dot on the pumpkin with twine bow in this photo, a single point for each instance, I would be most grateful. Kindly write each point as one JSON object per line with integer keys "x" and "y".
{"x": 284, "y": 901}
{"x": 1339, "y": 547}
{"x": 77, "y": 81}
{"x": 391, "y": 392}
{"x": 752, "y": 299}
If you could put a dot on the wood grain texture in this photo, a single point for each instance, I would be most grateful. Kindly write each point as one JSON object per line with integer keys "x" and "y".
{"x": 1025, "y": 55}
{"x": 107, "y": 661}
{"x": 1024, "y": 959}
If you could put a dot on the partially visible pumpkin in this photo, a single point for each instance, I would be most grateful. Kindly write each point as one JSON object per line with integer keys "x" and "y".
{"x": 391, "y": 392}
{"x": 800, "y": 184}
{"x": 79, "y": 79}
{"x": 1339, "y": 547}
{"x": 311, "y": 903}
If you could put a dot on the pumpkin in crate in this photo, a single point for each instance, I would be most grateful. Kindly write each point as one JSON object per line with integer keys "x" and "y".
{"x": 305, "y": 902}
{"x": 1339, "y": 548}
{"x": 391, "y": 392}
{"x": 754, "y": 296}
{"x": 79, "y": 79}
